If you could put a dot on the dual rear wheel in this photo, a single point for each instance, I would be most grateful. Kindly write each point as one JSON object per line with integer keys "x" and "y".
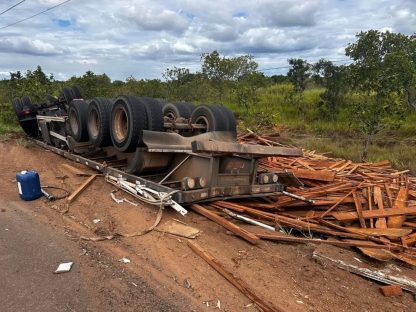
{"x": 120, "y": 122}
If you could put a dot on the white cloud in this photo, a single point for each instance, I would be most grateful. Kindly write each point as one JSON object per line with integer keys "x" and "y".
{"x": 142, "y": 38}
{"x": 24, "y": 45}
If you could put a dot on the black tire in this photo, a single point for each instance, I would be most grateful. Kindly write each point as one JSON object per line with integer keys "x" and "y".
{"x": 211, "y": 116}
{"x": 77, "y": 92}
{"x": 77, "y": 120}
{"x": 98, "y": 121}
{"x": 27, "y": 102}
{"x": 231, "y": 121}
{"x": 154, "y": 113}
{"x": 17, "y": 106}
{"x": 188, "y": 107}
{"x": 176, "y": 110}
{"x": 128, "y": 120}
{"x": 68, "y": 95}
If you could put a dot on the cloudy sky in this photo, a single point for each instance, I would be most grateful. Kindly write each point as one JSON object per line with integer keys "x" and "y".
{"x": 142, "y": 38}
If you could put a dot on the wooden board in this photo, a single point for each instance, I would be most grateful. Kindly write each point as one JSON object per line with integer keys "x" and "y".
{"x": 79, "y": 190}
{"x": 237, "y": 282}
{"x": 400, "y": 202}
{"x": 367, "y": 214}
{"x": 316, "y": 175}
{"x": 250, "y": 237}
{"x": 381, "y": 232}
{"x": 381, "y": 223}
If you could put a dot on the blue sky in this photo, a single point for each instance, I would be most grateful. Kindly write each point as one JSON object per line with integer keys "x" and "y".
{"x": 142, "y": 38}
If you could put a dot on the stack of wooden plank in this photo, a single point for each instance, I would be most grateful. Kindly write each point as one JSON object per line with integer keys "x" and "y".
{"x": 370, "y": 206}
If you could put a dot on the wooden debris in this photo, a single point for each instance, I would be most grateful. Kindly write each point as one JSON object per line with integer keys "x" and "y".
{"x": 179, "y": 229}
{"x": 237, "y": 282}
{"x": 250, "y": 237}
{"x": 79, "y": 190}
{"x": 400, "y": 202}
{"x": 369, "y": 206}
{"x": 391, "y": 290}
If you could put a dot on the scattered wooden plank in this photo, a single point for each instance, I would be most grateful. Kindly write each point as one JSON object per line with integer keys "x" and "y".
{"x": 400, "y": 202}
{"x": 367, "y": 214}
{"x": 397, "y": 233}
{"x": 79, "y": 190}
{"x": 234, "y": 280}
{"x": 389, "y": 195}
{"x": 317, "y": 175}
{"x": 370, "y": 205}
{"x": 345, "y": 243}
{"x": 248, "y": 236}
{"x": 381, "y": 223}
{"x": 340, "y": 201}
{"x": 359, "y": 209}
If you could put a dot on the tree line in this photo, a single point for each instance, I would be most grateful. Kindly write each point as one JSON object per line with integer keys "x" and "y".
{"x": 375, "y": 91}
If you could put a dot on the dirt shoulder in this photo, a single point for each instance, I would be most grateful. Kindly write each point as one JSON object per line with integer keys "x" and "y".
{"x": 164, "y": 274}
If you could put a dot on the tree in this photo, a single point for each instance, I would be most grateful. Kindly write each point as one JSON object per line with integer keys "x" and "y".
{"x": 332, "y": 78}
{"x": 220, "y": 68}
{"x": 34, "y": 83}
{"x": 384, "y": 62}
{"x": 92, "y": 85}
{"x": 224, "y": 72}
{"x": 246, "y": 89}
{"x": 384, "y": 69}
{"x": 299, "y": 73}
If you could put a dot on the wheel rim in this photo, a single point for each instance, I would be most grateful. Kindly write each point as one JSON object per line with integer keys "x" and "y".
{"x": 120, "y": 124}
{"x": 93, "y": 123}
{"x": 171, "y": 115}
{"x": 73, "y": 122}
{"x": 202, "y": 120}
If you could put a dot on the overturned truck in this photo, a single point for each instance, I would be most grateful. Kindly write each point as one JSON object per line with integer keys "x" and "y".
{"x": 184, "y": 152}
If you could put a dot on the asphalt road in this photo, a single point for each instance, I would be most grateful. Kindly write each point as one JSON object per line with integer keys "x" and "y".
{"x": 29, "y": 254}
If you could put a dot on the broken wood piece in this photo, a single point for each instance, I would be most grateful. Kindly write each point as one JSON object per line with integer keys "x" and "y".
{"x": 79, "y": 190}
{"x": 400, "y": 202}
{"x": 381, "y": 223}
{"x": 248, "y": 236}
{"x": 359, "y": 209}
{"x": 237, "y": 282}
{"x": 409, "y": 240}
{"x": 378, "y": 254}
{"x": 391, "y": 290}
{"x": 178, "y": 229}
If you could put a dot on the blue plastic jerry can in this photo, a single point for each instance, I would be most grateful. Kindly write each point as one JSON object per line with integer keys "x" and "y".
{"x": 28, "y": 184}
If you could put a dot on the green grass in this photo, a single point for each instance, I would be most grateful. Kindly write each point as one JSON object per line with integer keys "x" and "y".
{"x": 401, "y": 154}
{"x": 7, "y": 129}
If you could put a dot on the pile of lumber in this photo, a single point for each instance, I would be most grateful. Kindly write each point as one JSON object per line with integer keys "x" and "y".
{"x": 369, "y": 206}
